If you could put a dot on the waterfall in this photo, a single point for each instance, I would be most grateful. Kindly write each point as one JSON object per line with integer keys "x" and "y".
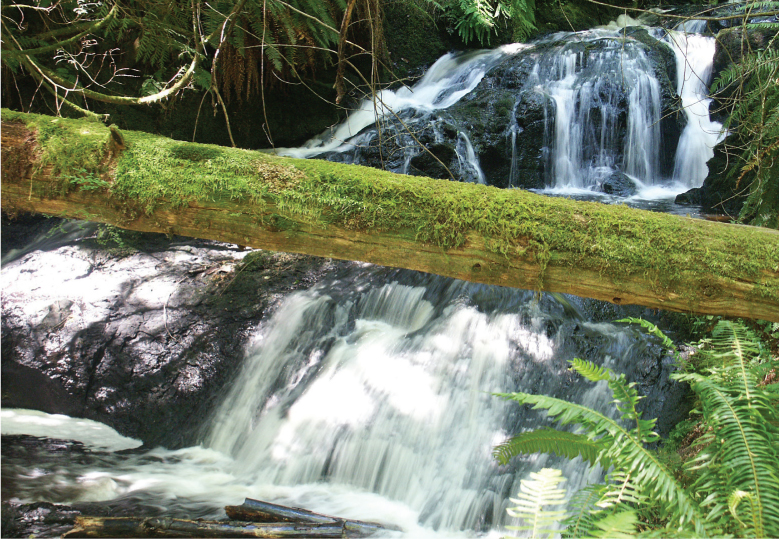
{"x": 369, "y": 396}
{"x": 694, "y": 59}
{"x": 594, "y": 94}
{"x": 450, "y": 78}
{"x": 607, "y": 102}
{"x": 389, "y": 392}
{"x": 469, "y": 167}
{"x": 375, "y": 402}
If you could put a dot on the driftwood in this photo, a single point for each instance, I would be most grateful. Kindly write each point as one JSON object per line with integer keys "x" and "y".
{"x": 259, "y": 511}
{"x": 252, "y": 519}
{"x": 476, "y": 233}
{"x": 174, "y": 527}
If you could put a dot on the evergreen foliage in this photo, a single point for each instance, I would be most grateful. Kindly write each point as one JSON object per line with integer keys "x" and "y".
{"x": 736, "y": 485}
{"x": 477, "y": 20}
{"x": 261, "y": 42}
{"x": 749, "y": 89}
{"x": 737, "y": 466}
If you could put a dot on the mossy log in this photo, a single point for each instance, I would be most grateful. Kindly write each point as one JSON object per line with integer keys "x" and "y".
{"x": 514, "y": 238}
{"x": 174, "y": 527}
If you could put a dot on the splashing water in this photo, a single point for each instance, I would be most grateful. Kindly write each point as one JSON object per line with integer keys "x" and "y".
{"x": 373, "y": 403}
{"x": 694, "y": 59}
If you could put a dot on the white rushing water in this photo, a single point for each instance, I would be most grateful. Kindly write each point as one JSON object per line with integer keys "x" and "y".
{"x": 588, "y": 89}
{"x": 374, "y": 404}
{"x": 451, "y": 77}
{"x": 86, "y": 431}
{"x": 694, "y": 59}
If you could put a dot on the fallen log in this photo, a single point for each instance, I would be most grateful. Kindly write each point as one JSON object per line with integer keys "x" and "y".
{"x": 173, "y": 527}
{"x": 477, "y": 233}
{"x": 259, "y": 511}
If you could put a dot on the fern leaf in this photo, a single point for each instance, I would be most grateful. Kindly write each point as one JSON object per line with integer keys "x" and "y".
{"x": 620, "y": 525}
{"x": 535, "y": 493}
{"x": 746, "y": 456}
{"x": 583, "y": 511}
{"x": 625, "y": 450}
{"x": 652, "y": 330}
{"x": 590, "y": 370}
{"x": 546, "y": 440}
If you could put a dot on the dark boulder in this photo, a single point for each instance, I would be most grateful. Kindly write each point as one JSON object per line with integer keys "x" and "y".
{"x": 689, "y": 198}
{"x": 618, "y": 184}
{"x": 720, "y": 193}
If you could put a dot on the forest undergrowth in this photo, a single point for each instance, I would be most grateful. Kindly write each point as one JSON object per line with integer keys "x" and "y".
{"x": 714, "y": 476}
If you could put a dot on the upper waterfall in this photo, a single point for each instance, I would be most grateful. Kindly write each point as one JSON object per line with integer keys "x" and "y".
{"x": 450, "y": 78}
{"x": 595, "y": 110}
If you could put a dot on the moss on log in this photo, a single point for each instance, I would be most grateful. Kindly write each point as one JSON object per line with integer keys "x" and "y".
{"x": 67, "y": 168}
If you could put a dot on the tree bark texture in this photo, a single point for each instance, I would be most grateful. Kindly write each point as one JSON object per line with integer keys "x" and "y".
{"x": 69, "y": 168}
{"x": 173, "y": 527}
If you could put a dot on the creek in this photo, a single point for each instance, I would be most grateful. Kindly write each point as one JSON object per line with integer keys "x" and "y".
{"x": 368, "y": 394}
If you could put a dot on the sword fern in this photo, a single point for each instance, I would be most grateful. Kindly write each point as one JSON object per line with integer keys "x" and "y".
{"x": 737, "y": 485}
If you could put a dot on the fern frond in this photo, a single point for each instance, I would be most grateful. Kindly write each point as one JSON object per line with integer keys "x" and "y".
{"x": 535, "y": 493}
{"x": 652, "y": 330}
{"x": 546, "y": 440}
{"x": 620, "y": 525}
{"x": 620, "y": 489}
{"x": 590, "y": 370}
{"x": 583, "y": 511}
{"x": 744, "y": 459}
{"x": 625, "y": 450}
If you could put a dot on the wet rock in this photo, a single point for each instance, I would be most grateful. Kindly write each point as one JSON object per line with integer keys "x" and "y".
{"x": 720, "y": 193}
{"x": 142, "y": 340}
{"x": 435, "y": 162}
{"x": 618, "y": 184}
{"x": 689, "y": 198}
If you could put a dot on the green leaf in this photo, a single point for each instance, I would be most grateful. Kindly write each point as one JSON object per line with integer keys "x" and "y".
{"x": 546, "y": 440}
{"x": 535, "y": 493}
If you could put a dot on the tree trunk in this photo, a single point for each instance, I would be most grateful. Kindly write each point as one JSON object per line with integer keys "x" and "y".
{"x": 476, "y": 233}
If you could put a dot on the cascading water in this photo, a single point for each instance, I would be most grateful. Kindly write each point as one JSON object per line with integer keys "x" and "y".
{"x": 374, "y": 402}
{"x": 609, "y": 115}
{"x": 695, "y": 56}
{"x": 595, "y": 94}
{"x": 369, "y": 396}
{"x": 447, "y": 81}
{"x": 469, "y": 167}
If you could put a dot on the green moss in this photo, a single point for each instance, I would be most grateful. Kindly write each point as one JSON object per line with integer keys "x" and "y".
{"x": 70, "y": 150}
{"x": 287, "y": 193}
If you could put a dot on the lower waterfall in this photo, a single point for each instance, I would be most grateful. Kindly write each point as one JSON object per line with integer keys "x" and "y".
{"x": 369, "y": 397}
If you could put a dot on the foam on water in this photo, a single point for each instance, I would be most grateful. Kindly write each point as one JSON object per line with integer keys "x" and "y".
{"x": 86, "y": 431}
